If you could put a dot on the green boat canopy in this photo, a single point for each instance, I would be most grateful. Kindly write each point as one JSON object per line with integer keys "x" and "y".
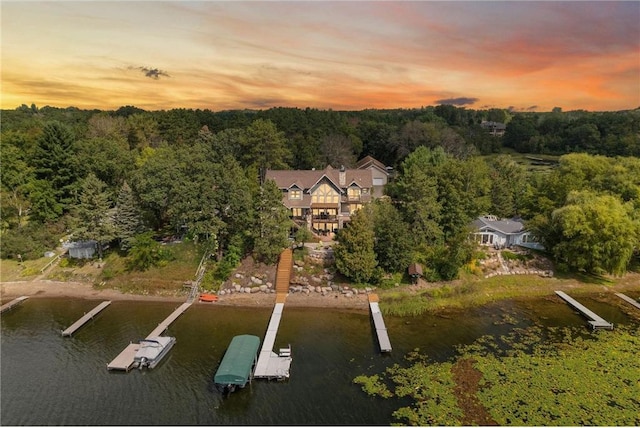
{"x": 235, "y": 368}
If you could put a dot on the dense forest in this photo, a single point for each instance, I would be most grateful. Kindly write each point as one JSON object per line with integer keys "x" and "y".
{"x": 128, "y": 178}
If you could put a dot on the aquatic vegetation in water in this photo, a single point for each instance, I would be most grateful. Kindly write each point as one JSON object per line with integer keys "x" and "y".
{"x": 531, "y": 376}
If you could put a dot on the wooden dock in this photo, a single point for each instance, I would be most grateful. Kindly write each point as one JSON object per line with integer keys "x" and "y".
{"x": 629, "y": 299}
{"x": 378, "y": 322}
{"x": 13, "y": 303}
{"x": 124, "y": 360}
{"x": 271, "y": 365}
{"x": 89, "y": 315}
{"x": 167, "y": 322}
{"x": 595, "y": 321}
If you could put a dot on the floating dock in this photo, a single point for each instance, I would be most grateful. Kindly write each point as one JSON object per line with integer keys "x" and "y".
{"x": 11, "y": 304}
{"x": 271, "y": 365}
{"x": 629, "y": 299}
{"x": 82, "y": 321}
{"x": 595, "y": 321}
{"x": 124, "y": 360}
{"x": 378, "y": 322}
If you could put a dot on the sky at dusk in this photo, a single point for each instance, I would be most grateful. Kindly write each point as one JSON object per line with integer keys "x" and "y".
{"x": 348, "y": 55}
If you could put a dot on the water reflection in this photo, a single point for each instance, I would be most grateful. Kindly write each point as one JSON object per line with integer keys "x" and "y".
{"x": 48, "y": 379}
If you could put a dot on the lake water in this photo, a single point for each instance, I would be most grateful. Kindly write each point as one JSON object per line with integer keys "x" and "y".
{"x": 47, "y": 379}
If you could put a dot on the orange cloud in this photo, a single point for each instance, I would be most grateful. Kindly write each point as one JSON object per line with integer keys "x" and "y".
{"x": 342, "y": 55}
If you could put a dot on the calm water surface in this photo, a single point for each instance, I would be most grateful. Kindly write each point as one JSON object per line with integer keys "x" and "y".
{"x": 50, "y": 380}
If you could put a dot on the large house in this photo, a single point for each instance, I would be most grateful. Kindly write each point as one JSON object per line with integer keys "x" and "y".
{"x": 497, "y": 129}
{"x": 323, "y": 200}
{"x": 501, "y": 233}
{"x": 379, "y": 173}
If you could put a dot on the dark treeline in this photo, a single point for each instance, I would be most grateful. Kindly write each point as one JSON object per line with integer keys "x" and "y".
{"x": 127, "y": 175}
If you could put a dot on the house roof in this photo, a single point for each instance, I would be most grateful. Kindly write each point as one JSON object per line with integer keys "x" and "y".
{"x": 506, "y": 226}
{"x": 306, "y": 179}
{"x": 493, "y": 125}
{"x": 368, "y": 162}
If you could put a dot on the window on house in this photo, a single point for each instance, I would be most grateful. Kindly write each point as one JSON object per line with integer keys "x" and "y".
{"x": 296, "y": 212}
{"x": 353, "y": 193}
{"x": 295, "y": 194}
{"x": 325, "y": 194}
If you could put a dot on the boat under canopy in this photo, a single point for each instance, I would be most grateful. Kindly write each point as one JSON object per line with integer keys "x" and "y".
{"x": 237, "y": 364}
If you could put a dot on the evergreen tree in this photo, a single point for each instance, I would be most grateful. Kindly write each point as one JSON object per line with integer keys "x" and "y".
{"x": 393, "y": 240}
{"x": 55, "y": 162}
{"x": 264, "y": 147}
{"x": 416, "y": 192}
{"x": 354, "y": 252}
{"x": 92, "y": 217}
{"x": 128, "y": 219}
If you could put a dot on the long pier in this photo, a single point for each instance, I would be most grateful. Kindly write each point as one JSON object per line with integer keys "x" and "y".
{"x": 89, "y": 315}
{"x": 378, "y": 322}
{"x": 271, "y": 365}
{"x": 595, "y": 321}
{"x": 629, "y": 299}
{"x": 11, "y": 304}
{"x": 124, "y": 360}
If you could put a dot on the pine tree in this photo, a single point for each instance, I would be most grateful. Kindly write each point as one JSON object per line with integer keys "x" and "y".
{"x": 354, "y": 252}
{"x": 128, "y": 218}
{"x": 93, "y": 221}
{"x": 55, "y": 162}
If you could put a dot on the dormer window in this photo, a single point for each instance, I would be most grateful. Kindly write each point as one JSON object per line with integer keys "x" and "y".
{"x": 295, "y": 194}
{"x": 353, "y": 193}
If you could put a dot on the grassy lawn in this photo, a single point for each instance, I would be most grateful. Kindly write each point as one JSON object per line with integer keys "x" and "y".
{"x": 472, "y": 291}
{"x": 113, "y": 273}
{"x": 528, "y": 160}
{"x": 11, "y": 270}
{"x": 161, "y": 280}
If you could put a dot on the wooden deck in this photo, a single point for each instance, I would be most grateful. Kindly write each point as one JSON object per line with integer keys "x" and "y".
{"x": 378, "y": 322}
{"x": 82, "y": 321}
{"x": 13, "y": 303}
{"x": 595, "y": 321}
{"x": 629, "y": 299}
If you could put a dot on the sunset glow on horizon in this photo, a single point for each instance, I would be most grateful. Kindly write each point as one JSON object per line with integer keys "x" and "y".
{"x": 221, "y": 55}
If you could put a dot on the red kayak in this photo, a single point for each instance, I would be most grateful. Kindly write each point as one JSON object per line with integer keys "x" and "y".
{"x": 208, "y": 297}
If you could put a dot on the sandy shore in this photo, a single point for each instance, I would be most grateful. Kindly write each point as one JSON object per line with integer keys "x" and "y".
{"x": 80, "y": 290}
